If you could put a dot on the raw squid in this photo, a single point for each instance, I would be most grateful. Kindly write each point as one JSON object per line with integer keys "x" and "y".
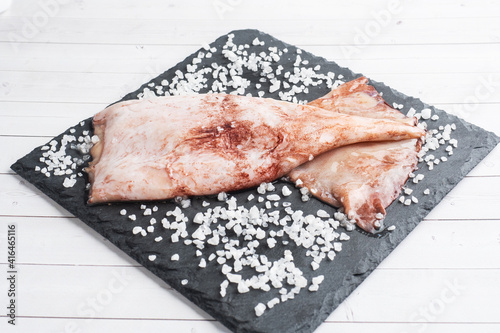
{"x": 205, "y": 144}
{"x": 364, "y": 178}
{"x": 358, "y": 98}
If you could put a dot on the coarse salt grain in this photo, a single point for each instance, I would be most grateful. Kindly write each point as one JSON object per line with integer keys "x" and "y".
{"x": 203, "y": 263}
{"x": 69, "y": 182}
{"x": 286, "y": 191}
{"x": 273, "y": 302}
{"x": 273, "y": 197}
{"x": 344, "y": 236}
{"x": 260, "y": 309}
{"x": 426, "y": 113}
{"x": 408, "y": 191}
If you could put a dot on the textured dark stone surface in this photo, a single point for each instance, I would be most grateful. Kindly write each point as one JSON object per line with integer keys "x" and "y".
{"x": 359, "y": 257}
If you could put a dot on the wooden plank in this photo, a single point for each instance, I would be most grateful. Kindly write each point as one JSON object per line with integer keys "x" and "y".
{"x": 54, "y": 110}
{"x": 443, "y": 295}
{"x": 62, "y": 241}
{"x": 241, "y": 10}
{"x": 423, "y": 296}
{"x": 77, "y": 325}
{"x": 481, "y": 114}
{"x": 472, "y": 199}
{"x": 20, "y": 198}
{"x": 98, "y": 292}
{"x": 433, "y": 244}
{"x": 50, "y": 119}
{"x": 433, "y": 88}
{"x": 489, "y": 166}
{"x": 68, "y": 325}
{"x": 43, "y": 119}
{"x": 80, "y": 87}
{"x": 13, "y": 148}
{"x": 410, "y": 327}
{"x": 102, "y": 58}
{"x": 437, "y": 244}
{"x": 341, "y": 31}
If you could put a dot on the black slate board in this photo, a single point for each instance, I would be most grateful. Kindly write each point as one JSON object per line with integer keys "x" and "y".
{"x": 359, "y": 257}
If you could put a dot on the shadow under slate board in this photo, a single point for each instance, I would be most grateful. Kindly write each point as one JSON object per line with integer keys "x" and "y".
{"x": 160, "y": 235}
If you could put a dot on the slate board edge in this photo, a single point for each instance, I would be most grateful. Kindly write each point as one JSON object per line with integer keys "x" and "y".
{"x": 365, "y": 267}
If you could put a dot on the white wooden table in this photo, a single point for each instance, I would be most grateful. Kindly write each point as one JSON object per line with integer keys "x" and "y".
{"x": 63, "y": 61}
